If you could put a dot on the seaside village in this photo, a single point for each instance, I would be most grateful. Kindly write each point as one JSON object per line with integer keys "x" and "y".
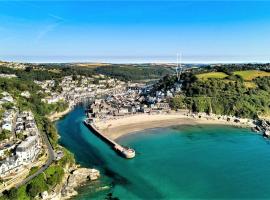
{"x": 80, "y": 89}
{"x": 21, "y": 145}
{"x": 111, "y": 97}
{"x": 114, "y": 98}
{"x": 134, "y": 99}
{"x": 139, "y": 98}
{"x": 20, "y": 142}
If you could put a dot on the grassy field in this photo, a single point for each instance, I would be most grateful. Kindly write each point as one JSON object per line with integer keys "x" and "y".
{"x": 250, "y": 84}
{"x": 251, "y": 74}
{"x": 90, "y": 65}
{"x": 208, "y": 75}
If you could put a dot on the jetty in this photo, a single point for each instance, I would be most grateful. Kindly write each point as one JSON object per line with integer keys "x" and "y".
{"x": 125, "y": 152}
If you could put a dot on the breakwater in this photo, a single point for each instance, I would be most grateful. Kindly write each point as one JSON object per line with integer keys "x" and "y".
{"x": 125, "y": 152}
{"x": 182, "y": 162}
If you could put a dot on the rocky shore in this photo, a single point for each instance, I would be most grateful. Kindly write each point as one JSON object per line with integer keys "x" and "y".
{"x": 77, "y": 178}
{"x": 74, "y": 178}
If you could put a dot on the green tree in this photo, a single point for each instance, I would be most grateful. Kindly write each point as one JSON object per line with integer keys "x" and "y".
{"x": 36, "y": 186}
{"x": 5, "y": 134}
{"x": 178, "y": 102}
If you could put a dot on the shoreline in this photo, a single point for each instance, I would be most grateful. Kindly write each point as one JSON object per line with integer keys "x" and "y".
{"x": 57, "y": 115}
{"x": 120, "y": 127}
{"x": 127, "y": 125}
{"x": 68, "y": 187}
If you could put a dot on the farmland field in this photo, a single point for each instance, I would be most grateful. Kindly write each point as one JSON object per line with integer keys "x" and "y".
{"x": 250, "y": 84}
{"x": 219, "y": 75}
{"x": 251, "y": 74}
{"x": 90, "y": 65}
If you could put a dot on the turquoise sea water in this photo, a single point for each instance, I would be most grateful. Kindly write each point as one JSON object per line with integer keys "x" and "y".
{"x": 181, "y": 162}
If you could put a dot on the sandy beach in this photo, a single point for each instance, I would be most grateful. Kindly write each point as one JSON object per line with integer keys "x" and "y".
{"x": 57, "y": 115}
{"x": 115, "y": 128}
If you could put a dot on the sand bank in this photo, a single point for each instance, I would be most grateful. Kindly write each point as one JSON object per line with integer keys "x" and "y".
{"x": 115, "y": 128}
{"x": 57, "y": 115}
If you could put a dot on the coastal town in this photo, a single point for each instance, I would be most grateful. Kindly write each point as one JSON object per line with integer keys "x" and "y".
{"x": 78, "y": 89}
{"x": 21, "y": 144}
{"x": 23, "y": 147}
{"x": 114, "y": 108}
{"x": 136, "y": 108}
{"x": 134, "y": 100}
{"x": 111, "y": 99}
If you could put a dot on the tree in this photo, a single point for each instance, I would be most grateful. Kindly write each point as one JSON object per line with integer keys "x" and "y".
{"x": 54, "y": 175}
{"x": 7, "y": 153}
{"x": 178, "y": 102}
{"x": 36, "y": 186}
{"x": 7, "y": 105}
{"x": 5, "y": 134}
{"x": 20, "y": 136}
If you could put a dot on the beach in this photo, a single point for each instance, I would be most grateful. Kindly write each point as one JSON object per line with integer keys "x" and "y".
{"x": 57, "y": 115}
{"x": 118, "y": 127}
{"x": 171, "y": 163}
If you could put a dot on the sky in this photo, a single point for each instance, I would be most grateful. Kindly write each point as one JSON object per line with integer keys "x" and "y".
{"x": 134, "y": 31}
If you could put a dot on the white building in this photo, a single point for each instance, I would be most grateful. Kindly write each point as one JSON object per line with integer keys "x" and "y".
{"x": 26, "y": 94}
{"x": 28, "y": 149}
{"x": 8, "y": 118}
{"x": 7, "y": 126}
{"x": 53, "y": 99}
{"x": 10, "y": 165}
{"x": 7, "y": 99}
{"x": 8, "y": 76}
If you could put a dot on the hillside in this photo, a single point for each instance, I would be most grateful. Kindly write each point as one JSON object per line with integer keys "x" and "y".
{"x": 250, "y": 75}
{"x": 126, "y": 72}
{"x": 244, "y": 93}
{"x": 230, "y": 91}
{"x": 133, "y": 73}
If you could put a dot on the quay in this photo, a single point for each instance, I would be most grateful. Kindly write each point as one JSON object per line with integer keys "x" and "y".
{"x": 125, "y": 152}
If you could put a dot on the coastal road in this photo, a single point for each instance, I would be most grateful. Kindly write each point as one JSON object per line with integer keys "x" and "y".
{"x": 51, "y": 158}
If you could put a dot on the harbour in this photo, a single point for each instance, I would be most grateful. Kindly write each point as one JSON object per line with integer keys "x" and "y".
{"x": 125, "y": 152}
{"x": 134, "y": 100}
{"x": 189, "y": 166}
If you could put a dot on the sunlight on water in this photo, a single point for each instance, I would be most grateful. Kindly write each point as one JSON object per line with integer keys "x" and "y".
{"x": 182, "y": 162}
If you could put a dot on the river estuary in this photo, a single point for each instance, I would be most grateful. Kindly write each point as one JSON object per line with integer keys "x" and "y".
{"x": 181, "y": 162}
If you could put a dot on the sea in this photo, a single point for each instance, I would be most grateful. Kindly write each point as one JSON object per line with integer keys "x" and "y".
{"x": 178, "y": 162}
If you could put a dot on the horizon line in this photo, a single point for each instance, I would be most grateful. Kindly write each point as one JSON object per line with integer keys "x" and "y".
{"x": 138, "y": 62}
{"x": 153, "y": 59}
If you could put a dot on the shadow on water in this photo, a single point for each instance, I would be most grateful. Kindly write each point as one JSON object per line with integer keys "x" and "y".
{"x": 119, "y": 174}
{"x": 71, "y": 137}
{"x": 142, "y": 190}
{"x": 90, "y": 151}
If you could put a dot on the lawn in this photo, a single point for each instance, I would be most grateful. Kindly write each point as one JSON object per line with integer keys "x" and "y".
{"x": 251, "y": 74}
{"x": 208, "y": 75}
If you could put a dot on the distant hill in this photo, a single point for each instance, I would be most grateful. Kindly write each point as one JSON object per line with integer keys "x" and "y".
{"x": 89, "y": 65}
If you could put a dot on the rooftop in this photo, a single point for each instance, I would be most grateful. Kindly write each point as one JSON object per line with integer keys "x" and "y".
{"x": 29, "y": 141}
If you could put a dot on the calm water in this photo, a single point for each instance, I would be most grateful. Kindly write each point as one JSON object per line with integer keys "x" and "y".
{"x": 183, "y": 162}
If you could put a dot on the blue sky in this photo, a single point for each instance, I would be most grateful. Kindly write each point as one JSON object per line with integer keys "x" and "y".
{"x": 143, "y": 30}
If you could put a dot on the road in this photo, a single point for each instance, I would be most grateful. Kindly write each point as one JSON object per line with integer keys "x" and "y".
{"x": 51, "y": 158}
